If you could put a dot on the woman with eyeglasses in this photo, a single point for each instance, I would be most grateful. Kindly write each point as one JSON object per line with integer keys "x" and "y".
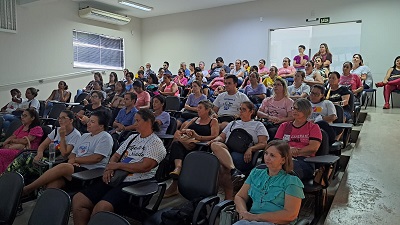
{"x": 141, "y": 154}
{"x": 63, "y": 138}
{"x": 181, "y": 80}
{"x": 234, "y": 164}
{"x": 304, "y": 137}
{"x": 276, "y": 194}
{"x": 277, "y": 108}
{"x": 286, "y": 71}
{"x": 92, "y": 150}
{"x": 351, "y": 81}
{"x": 129, "y": 82}
{"x": 313, "y": 76}
{"x": 391, "y": 82}
{"x": 27, "y": 136}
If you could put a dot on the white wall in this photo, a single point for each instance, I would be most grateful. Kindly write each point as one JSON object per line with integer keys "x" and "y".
{"x": 43, "y": 46}
{"x": 236, "y": 31}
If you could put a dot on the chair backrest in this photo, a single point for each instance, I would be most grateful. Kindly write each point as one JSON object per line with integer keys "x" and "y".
{"x": 46, "y": 131}
{"x": 52, "y": 208}
{"x": 199, "y": 175}
{"x": 42, "y": 108}
{"x": 11, "y": 184}
{"x": 77, "y": 108}
{"x": 339, "y": 114}
{"x": 81, "y": 97}
{"x": 172, "y": 126}
{"x": 107, "y": 218}
{"x": 56, "y": 109}
{"x": 172, "y": 103}
{"x": 14, "y": 125}
{"x": 324, "y": 147}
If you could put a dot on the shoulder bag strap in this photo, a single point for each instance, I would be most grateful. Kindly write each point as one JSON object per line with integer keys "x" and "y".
{"x": 127, "y": 146}
{"x": 190, "y": 123}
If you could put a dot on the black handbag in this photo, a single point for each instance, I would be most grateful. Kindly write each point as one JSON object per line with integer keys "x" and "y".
{"x": 188, "y": 114}
{"x": 239, "y": 140}
{"x": 120, "y": 175}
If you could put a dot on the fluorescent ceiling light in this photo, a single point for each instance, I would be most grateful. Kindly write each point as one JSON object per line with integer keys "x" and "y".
{"x": 135, "y": 5}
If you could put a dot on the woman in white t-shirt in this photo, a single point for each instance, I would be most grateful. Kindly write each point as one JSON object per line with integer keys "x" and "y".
{"x": 141, "y": 153}
{"x": 299, "y": 89}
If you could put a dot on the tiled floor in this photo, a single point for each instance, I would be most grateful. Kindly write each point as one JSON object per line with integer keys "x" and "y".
{"x": 368, "y": 192}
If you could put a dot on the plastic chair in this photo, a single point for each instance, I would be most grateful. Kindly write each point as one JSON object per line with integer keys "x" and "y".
{"x": 52, "y": 208}
{"x": 55, "y": 111}
{"x": 391, "y": 95}
{"x": 14, "y": 125}
{"x": 373, "y": 96}
{"x": 11, "y": 185}
{"x": 81, "y": 97}
{"x": 172, "y": 105}
{"x": 198, "y": 179}
{"x": 107, "y": 218}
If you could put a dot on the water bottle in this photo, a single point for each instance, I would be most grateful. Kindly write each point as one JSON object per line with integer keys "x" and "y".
{"x": 52, "y": 153}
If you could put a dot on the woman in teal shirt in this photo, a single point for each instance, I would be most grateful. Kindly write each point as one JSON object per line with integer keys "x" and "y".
{"x": 275, "y": 193}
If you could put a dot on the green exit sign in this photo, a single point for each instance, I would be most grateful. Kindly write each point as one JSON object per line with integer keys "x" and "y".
{"x": 325, "y": 20}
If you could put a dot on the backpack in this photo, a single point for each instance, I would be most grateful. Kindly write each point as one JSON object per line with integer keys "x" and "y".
{"x": 239, "y": 140}
{"x": 182, "y": 214}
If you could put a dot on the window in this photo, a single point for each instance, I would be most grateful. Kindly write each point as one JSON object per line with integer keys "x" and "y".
{"x": 97, "y": 51}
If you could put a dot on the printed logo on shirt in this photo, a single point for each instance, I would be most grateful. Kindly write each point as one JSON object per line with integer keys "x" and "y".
{"x": 83, "y": 148}
{"x": 227, "y": 105}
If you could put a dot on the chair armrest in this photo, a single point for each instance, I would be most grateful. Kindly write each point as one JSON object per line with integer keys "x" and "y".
{"x": 342, "y": 125}
{"x": 212, "y": 200}
{"x": 162, "y": 186}
{"x": 48, "y": 119}
{"x": 302, "y": 222}
{"x": 142, "y": 189}
{"x": 216, "y": 210}
{"x": 89, "y": 174}
{"x": 323, "y": 159}
{"x": 166, "y": 136}
{"x": 257, "y": 155}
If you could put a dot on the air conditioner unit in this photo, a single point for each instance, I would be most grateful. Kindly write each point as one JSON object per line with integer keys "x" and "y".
{"x": 103, "y": 16}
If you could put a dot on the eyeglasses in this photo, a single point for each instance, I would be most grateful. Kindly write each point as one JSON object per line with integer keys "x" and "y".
{"x": 180, "y": 72}
{"x": 62, "y": 118}
{"x": 295, "y": 108}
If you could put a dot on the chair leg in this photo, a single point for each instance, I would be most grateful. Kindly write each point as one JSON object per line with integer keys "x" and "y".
{"x": 374, "y": 97}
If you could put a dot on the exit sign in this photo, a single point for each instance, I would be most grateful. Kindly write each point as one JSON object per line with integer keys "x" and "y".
{"x": 324, "y": 20}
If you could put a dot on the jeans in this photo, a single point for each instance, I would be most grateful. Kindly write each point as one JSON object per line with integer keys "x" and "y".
{"x": 7, "y": 119}
{"x": 238, "y": 161}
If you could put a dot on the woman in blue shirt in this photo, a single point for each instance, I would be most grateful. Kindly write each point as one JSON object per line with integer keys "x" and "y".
{"x": 275, "y": 193}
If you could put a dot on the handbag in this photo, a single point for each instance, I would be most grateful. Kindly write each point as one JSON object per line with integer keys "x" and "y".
{"x": 228, "y": 215}
{"x": 239, "y": 140}
{"x": 188, "y": 114}
{"x": 120, "y": 175}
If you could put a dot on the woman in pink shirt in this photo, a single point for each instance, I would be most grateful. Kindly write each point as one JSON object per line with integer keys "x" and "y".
{"x": 181, "y": 80}
{"x": 218, "y": 81}
{"x": 287, "y": 70}
{"x": 352, "y": 81}
{"x": 143, "y": 97}
{"x": 277, "y": 108}
{"x": 262, "y": 69}
{"x": 167, "y": 87}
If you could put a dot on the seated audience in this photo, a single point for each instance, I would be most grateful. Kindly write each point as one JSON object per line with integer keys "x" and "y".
{"x": 215, "y": 69}
{"x": 16, "y": 100}
{"x": 218, "y": 81}
{"x": 300, "y": 60}
{"x": 351, "y": 81}
{"x": 162, "y": 118}
{"x": 304, "y": 138}
{"x": 186, "y": 71}
{"x": 148, "y": 71}
{"x": 97, "y": 86}
{"x": 312, "y": 76}
{"x": 89, "y": 87}
{"x": 246, "y": 68}
{"x": 140, "y": 76}
{"x": 141, "y": 153}
{"x": 391, "y": 82}
{"x": 319, "y": 67}
{"x": 339, "y": 95}
{"x": 165, "y": 69}
{"x": 110, "y": 86}
{"x": 27, "y": 136}
{"x": 129, "y": 82}
{"x": 202, "y": 128}
{"x": 143, "y": 97}
{"x": 299, "y": 89}
{"x": 286, "y": 71}
{"x": 60, "y": 95}
{"x": 227, "y": 104}
{"x": 203, "y": 70}
{"x": 362, "y": 71}
{"x": 167, "y": 87}
{"x": 29, "y": 102}
{"x": 238, "y": 71}
{"x": 63, "y": 138}
{"x": 269, "y": 80}
{"x": 234, "y": 163}
{"x": 277, "y": 108}
{"x": 160, "y": 75}
{"x": 190, "y": 108}
{"x": 125, "y": 118}
{"x": 91, "y": 151}
{"x": 255, "y": 90}
{"x": 181, "y": 80}
{"x": 325, "y": 54}
{"x": 152, "y": 85}
{"x": 275, "y": 194}
{"x": 117, "y": 101}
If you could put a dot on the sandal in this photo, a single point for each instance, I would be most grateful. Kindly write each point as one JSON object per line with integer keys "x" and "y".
{"x": 386, "y": 106}
{"x": 379, "y": 84}
{"x": 175, "y": 174}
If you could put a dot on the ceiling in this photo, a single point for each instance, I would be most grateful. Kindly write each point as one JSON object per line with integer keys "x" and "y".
{"x": 160, "y": 7}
